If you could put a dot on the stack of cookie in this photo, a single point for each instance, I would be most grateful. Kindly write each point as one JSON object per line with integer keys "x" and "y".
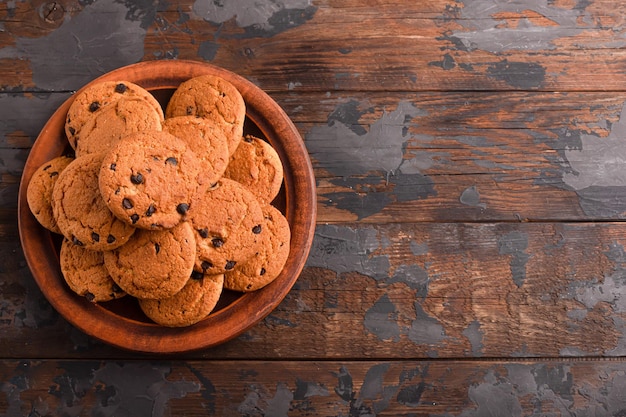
{"x": 169, "y": 207}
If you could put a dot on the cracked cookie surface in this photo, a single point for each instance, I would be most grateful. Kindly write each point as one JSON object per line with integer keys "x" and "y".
{"x": 80, "y": 212}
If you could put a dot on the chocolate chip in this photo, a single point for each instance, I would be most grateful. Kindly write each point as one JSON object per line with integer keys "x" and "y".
{"x": 120, "y": 88}
{"x": 134, "y": 218}
{"x": 116, "y": 288}
{"x": 204, "y": 233}
{"x": 230, "y": 265}
{"x": 136, "y": 178}
{"x": 256, "y": 229}
{"x": 95, "y": 237}
{"x": 110, "y": 239}
{"x": 182, "y": 208}
{"x": 89, "y": 296}
{"x": 127, "y": 204}
{"x": 113, "y": 167}
{"x": 248, "y": 139}
{"x": 94, "y": 106}
{"x": 217, "y": 242}
{"x": 262, "y": 272}
{"x": 54, "y": 174}
{"x": 171, "y": 160}
{"x": 206, "y": 265}
{"x": 76, "y": 241}
{"x": 197, "y": 275}
{"x": 151, "y": 210}
{"x": 72, "y": 130}
{"x": 189, "y": 110}
{"x": 157, "y": 248}
{"x": 47, "y": 167}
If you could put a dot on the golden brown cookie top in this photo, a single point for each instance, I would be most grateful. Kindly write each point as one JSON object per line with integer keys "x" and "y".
{"x": 39, "y": 191}
{"x": 81, "y": 214}
{"x": 214, "y": 98}
{"x": 109, "y": 125}
{"x": 267, "y": 263}
{"x": 153, "y": 263}
{"x": 98, "y": 96}
{"x": 148, "y": 178}
{"x": 256, "y": 165}
{"x": 188, "y": 306}
{"x": 205, "y": 139}
{"x": 85, "y": 273}
{"x": 227, "y": 221}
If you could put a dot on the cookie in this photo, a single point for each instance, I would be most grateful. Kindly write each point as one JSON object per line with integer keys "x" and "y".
{"x": 148, "y": 178}
{"x": 39, "y": 191}
{"x": 214, "y": 98}
{"x": 267, "y": 263}
{"x": 205, "y": 139}
{"x": 85, "y": 274}
{"x": 227, "y": 222}
{"x": 256, "y": 165}
{"x": 153, "y": 263}
{"x": 188, "y": 306}
{"x": 98, "y": 96}
{"x": 79, "y": 210}
{"x": 109, "y": 125}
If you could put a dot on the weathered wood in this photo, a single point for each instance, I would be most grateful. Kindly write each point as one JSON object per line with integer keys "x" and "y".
{"x": 406, "y": 157}
{"x": 404, "y": 291}
{"x": 327, "y": 46}
{"x": 355, "y": 388}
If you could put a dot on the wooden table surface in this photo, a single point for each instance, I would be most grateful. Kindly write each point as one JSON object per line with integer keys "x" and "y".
{"x": 469, "y": 256}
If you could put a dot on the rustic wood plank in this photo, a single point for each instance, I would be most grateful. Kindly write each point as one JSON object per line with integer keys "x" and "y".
{"x": 438, "y": 45}
{"x": 428, "y": 156}
{"x": 430, "y": 290}
{"x": 252, "y": 388}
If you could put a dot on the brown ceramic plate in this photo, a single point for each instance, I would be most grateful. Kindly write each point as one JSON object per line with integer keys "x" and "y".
{"x": 121, "y": 323}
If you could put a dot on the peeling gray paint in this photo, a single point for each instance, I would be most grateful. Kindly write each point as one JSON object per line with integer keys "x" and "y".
{"x": 482, "y": 30}
{"x": 414, "y": 276}
{"x": 425, "y": 329}
{"x": 257, "y": 17}
{"x": 381, "y": 320}
{"x": 368, "y": 158}
{"x": 84, "y": 46}
{"x": 599, "y": 162}
{"x": 609, "y": 289}
{"x": 493, "y": 397}
{"x": 474, "y": 335}
{"x": 345, "y": 249}
{"x": 345, "y": 147}
{"x": 515, "y": 243}
{"x": 278, "y": 405}
{"x": 471, "y": 197}
{"x": 307, "y": 389}
{"x": 523, "y": 75}
{"x": 137, "y": 389}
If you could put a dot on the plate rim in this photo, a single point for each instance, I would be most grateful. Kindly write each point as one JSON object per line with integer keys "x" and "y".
{"x": 100, "y": 323}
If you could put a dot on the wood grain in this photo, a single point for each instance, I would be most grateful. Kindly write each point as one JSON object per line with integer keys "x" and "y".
{"x": 356, "y": 388}
{"x": 429, "y": 290}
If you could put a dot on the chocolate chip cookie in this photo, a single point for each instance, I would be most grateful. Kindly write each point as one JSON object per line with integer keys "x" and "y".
{"x": 80, "y": 212}
{"x": 148, "y": 178}
{"x": 108, "y": 126}
{"x": 154, "y": 263}
{"x": 214, "y": 98}
{"x": 256, "y": 165}
{"x": 188, "y": 306}
{"x": 98, "y": 96}
{"x": 227, "y": 221}
{"x": 85, "y": 274}
{"x": 267, "y": 263}
{"x": 39, "y": 191}
{"x": 205, "y": 139}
